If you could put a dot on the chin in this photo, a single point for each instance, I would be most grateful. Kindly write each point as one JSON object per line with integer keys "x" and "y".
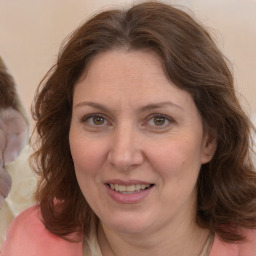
{"x": 129, "y": 224}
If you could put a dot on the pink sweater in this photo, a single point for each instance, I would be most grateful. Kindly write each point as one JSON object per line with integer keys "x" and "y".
{"x": 27, "y": 236}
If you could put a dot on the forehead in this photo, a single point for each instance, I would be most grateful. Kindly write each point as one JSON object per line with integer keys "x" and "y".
{"x": 137, "y": 76}
{"x": 124, "y": 61}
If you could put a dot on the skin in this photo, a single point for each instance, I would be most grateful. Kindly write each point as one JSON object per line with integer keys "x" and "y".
{"x": 130, "y": 123}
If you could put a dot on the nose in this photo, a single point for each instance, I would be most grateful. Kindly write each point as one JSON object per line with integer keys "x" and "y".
{"x": 126, "y": 149}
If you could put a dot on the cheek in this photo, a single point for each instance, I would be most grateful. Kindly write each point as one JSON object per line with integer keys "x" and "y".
{"x": 87, "y": 156}
{"x": 178, "y": 166}
{"x": 177, "y": 158}
{"x": 86, "y": 160}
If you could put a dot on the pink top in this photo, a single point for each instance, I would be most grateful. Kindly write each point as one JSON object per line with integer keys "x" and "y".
{"x": 28, "y": 236}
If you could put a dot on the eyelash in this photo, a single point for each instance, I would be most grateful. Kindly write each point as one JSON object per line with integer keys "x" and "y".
{"x": 86, "y": 119}
{"x": 165, "y": 118}
{"x": 152, "y": 117}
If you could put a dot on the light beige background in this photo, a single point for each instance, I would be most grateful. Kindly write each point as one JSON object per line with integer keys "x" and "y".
{"x": 31, "y": 32}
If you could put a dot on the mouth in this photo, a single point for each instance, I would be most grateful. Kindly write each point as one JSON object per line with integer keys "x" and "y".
{"x": 130, "y": 189}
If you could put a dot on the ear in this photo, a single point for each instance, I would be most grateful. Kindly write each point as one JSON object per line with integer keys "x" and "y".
{"x": 209, "y": 146}
{"x": 15, "y": 129}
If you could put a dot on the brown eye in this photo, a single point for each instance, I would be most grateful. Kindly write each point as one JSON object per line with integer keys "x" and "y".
{"x": 159, "y": 121}
{"x": 98, "y": 120}
{"x": 94, "y": 120}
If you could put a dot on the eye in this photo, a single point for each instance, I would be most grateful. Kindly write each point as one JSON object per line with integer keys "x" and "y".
{"x": 160, "y": 121}
{"x": 95, "y": 120}
{"x": 98, "y": 120}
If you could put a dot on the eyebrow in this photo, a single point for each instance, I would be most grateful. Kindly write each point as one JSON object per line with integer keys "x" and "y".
{"x": 91, "y": 104}
{"x": 148, "y": 107}
{"x": 160, "y": 105}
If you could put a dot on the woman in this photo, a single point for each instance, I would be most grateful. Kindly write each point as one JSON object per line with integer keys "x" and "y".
{"x": 144, "y": 148}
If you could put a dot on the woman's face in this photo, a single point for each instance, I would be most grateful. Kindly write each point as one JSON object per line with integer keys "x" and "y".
{"x": 137, "y": 143}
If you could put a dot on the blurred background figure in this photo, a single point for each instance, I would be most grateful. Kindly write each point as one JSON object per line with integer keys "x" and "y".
{"x": 13, "y": 138}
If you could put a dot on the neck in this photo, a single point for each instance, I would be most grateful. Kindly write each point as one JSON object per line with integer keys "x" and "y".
{"x": 172, "y": 241}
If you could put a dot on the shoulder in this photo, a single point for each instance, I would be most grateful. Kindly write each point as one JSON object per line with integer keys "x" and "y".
{"x": 245, "y": 248}
{"x": 28, "y": 236}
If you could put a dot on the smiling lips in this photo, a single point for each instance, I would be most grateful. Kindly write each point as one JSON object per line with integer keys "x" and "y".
{"x": 128, "y": 192}
{"x": 128, "y": 189}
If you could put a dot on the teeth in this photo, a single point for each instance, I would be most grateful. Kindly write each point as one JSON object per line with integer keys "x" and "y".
{"x": 128, "y": 189}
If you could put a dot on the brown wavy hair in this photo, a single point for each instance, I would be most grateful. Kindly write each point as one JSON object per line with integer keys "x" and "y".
{"x": 226, "y": 186}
